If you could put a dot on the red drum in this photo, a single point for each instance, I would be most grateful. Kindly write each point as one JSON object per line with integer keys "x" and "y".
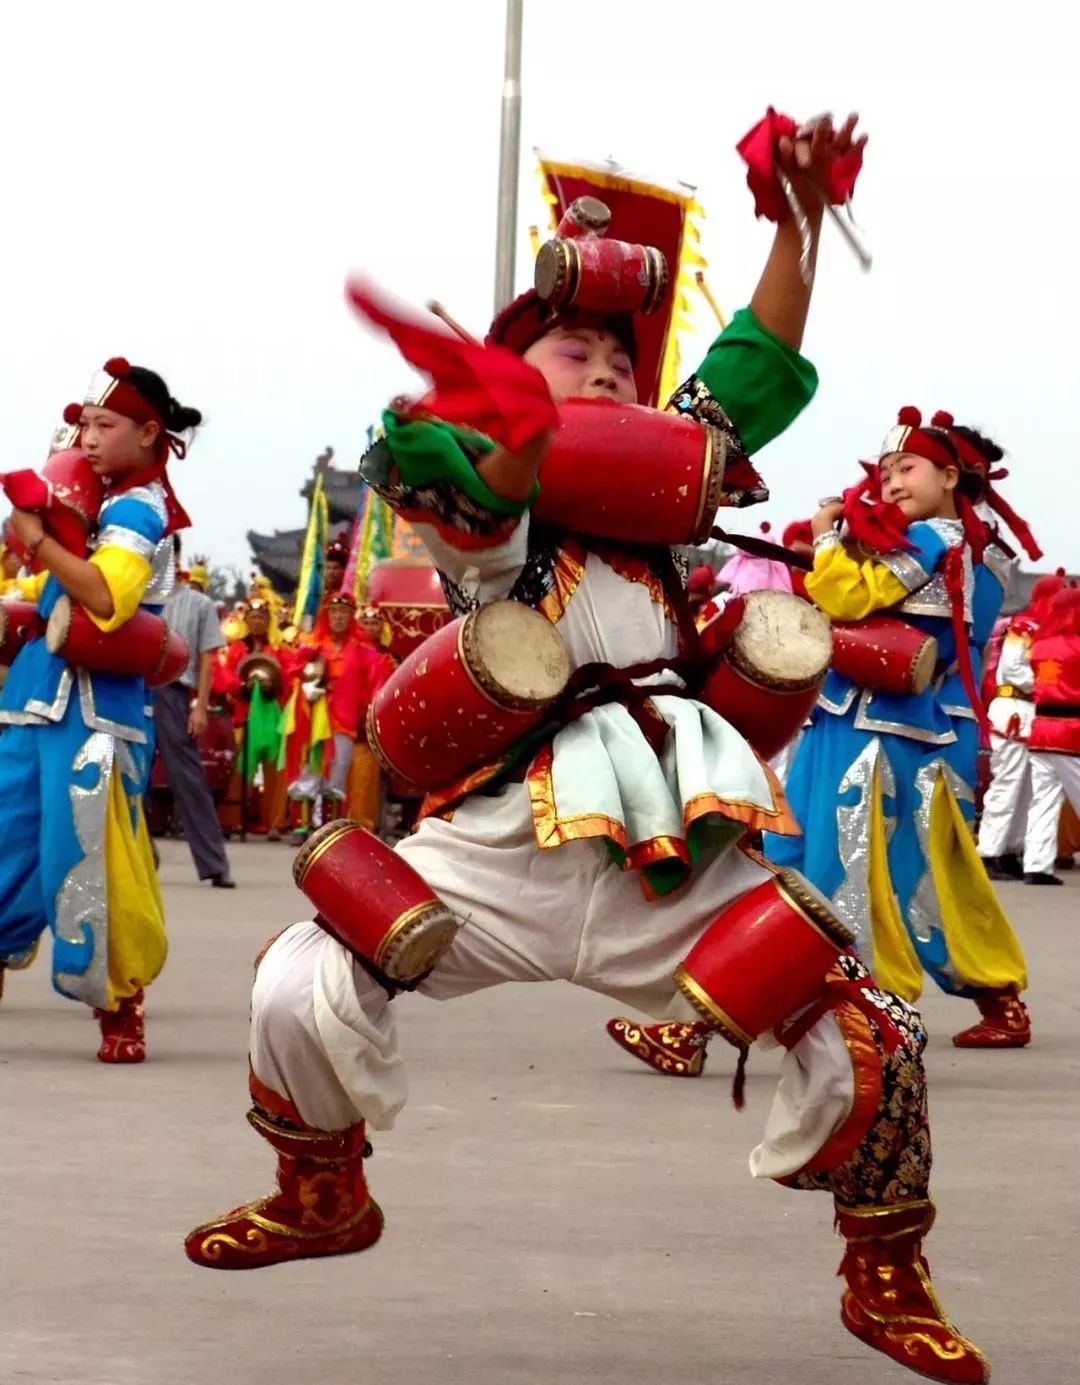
{"x": 768, "y": 677}
{"x": 409, "y": 597}
{"x": 467, "y": 694}
{"x": 373, "y": 902}
{"x": 885, "y": 654}
{"x": 217, "y": 751}
{"x": 19, "y": 622}
{"x": 143, "y": 645}
{"x": 624, "y": 472}
{"x": 763, "y": 957}
{"x": 70, "y": 497}
{"x": 601, "y": 276}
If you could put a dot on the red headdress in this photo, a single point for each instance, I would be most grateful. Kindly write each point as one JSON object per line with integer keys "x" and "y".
{"x": 337, "y": 551}
{"x": 1063, "y": 612}
{"x": 114, "y": 388}
{"x": 798, "y": 531}
{"x": 973, "y": 461}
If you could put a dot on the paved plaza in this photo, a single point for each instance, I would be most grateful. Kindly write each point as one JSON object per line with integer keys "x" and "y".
{"x": 555, "y": 1212}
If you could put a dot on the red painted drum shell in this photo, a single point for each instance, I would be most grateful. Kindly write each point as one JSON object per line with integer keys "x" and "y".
{"x": 598, "y": 275}
{"x": 764, "y": 957}
{"x": 766, "y": 717}
{"x": 635, "y": 475}
{"x": 144, "y": 645}
{"x": 19, "y": 623}
{"x": 467, "y": 694}
{"x": 885, "y": 654}
{"x": 372, "y": 900}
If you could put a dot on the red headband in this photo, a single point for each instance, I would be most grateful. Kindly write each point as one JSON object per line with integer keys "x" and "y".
{"x": 908, "y": 435}
{"x": 972, "y": 460}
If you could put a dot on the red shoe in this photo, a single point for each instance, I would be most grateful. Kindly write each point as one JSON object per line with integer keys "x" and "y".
{"x": 123, "y": 1031}
{"x": 672, "y": 1047}
{"x": 1005, "y": 1022}
{"x": 889, "y": 1302}
{"x": 322, "y": 1206}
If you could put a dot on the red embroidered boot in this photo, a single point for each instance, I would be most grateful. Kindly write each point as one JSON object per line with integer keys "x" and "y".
{"x": 890, "y": 1302}
{"x": 1005, "y": 1022}
{"x": 322, "y": 1205}
{"x": 123, "y": 1031}
{"x": 672, "y": 1047}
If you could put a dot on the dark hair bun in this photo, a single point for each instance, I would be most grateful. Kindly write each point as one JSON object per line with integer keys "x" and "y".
{"x": 987, "y": 446}
{"x": 178, "y": 417}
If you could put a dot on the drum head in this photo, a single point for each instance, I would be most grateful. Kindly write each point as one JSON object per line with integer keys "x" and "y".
{"x": 924, "y": 664}
{"x": 516, "y": 657}
{"x": 782, "y": 641}
{"x": 56, "y": 632}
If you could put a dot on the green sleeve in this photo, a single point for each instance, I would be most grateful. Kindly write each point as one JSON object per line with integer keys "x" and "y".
{"x": 436, "y": 455}
{"x": 760, "y": 382}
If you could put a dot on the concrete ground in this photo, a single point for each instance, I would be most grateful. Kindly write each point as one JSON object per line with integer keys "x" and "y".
{"x": 555, "y": 1212}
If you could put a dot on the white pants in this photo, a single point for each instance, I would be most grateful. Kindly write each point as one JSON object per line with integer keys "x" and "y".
{"x": 323, "y": 1033}
{"x": 1001, "y": 828}
{"x": 1053, "y": 778}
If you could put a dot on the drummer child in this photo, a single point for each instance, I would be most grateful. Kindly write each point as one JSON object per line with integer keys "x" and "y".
{"x": 917, "y": 897}
{"x": 75, "y": 751}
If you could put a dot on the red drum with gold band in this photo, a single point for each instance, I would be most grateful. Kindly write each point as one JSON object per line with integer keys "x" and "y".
{"x": 602, "y": 276}
{"x": 373, "y": 902}
{"x": 468, "y": 694}
{"x": 19, "y": 622}
{"x": 409, "y": 597}
{"x": 763, "y": 957}
{"x": 143, "y": 645}
{"x": 768, "y": 677}
{"x": 885, "y": 654}
{"x": 624, "y": 472}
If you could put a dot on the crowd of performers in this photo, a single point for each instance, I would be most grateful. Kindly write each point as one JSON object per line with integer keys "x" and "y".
{"x": 593, "y": 738}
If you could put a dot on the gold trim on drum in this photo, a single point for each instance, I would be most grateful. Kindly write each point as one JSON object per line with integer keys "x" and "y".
{"x": 757, "y": 679}
{"x": 923, "y": 663}
{"x": 385, "y": 763}
{"x": 319, "y": 843}
{"x": 708, "y": 1008}
{"x": 416, "y": 940}
{"x": 469, "y": 655}
{"x": 712, "y": 481}
{"x": 793, "y": 891}
{"x": 656, "y": 262}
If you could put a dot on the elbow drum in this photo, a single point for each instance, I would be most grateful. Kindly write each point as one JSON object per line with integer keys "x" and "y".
{"x": 143, "y": 645}
{"x": 763, "y": 958}
{"x": 467, "y": 694}
{"x": 373, "y": 902}
{"x": 884, "y": 654}
{"x": 635, "y": 475}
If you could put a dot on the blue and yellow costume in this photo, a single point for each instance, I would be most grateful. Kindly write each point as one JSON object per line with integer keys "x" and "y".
{"x": 75, "y": 751}
{"x": 884, "y": 787}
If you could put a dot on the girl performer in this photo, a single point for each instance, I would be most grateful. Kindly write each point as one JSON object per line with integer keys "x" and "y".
{"x": 76, "y": 748}
{"x": 882, "y": 783}
{"x": 536, "y": 862}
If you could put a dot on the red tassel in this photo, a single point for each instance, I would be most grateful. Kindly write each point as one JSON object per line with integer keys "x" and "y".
{"x": 910, "y": 416}
{"x": 72, "y": 414}
{"x": 942, "y": 419}
{"x": 117, "y": 367}
{"x": 1019, "y": 527}
{"x": 738, "y": 1084}
{"x": 954, "y": 585}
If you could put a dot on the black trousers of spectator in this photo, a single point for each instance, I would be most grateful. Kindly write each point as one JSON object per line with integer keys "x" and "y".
{"x": 187, "y": 780}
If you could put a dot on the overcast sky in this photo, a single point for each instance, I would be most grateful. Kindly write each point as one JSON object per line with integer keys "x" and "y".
{"x": 188, "y": 184}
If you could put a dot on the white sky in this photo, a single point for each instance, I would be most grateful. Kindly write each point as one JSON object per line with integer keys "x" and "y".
{"x": 188, "y": 184}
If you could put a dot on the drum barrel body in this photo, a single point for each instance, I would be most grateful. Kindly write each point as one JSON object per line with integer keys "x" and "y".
{"x": 630, "y": 474}
{"x": 594, "y": 274}
{"x": 373, "y": 901}
{"x": 885, "y": 654}
{"x": 440, "y": 712}
{"x": 769, "y": 718}
{"x": 143, "y": 646}
{"x": 762, "y": 958}
{"x": 19, "y": 623}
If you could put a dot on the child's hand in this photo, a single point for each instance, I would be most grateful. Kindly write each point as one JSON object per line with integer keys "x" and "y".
{"x": 827, "y": 517}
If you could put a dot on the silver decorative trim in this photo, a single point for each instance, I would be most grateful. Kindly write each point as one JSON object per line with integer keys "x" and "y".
{"x": 839, "y": 709}
{"x": 924, "y": 911}
{"x": 95, "y": 723}
{"x": 905, "y": 569}
{"x": 851, "y": 902}
{"x": 117, "y": 536}
{"x": 865, "y": 722}
{"x": 82, "y": 900}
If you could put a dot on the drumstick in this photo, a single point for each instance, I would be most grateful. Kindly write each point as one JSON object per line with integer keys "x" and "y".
{"x": 846, "y": 229}
{"x": 762, "y": 548}
{"x": 440, "y": 312}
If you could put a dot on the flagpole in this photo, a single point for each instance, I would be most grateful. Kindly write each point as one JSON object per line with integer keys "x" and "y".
{"x": 509, "y": 157}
